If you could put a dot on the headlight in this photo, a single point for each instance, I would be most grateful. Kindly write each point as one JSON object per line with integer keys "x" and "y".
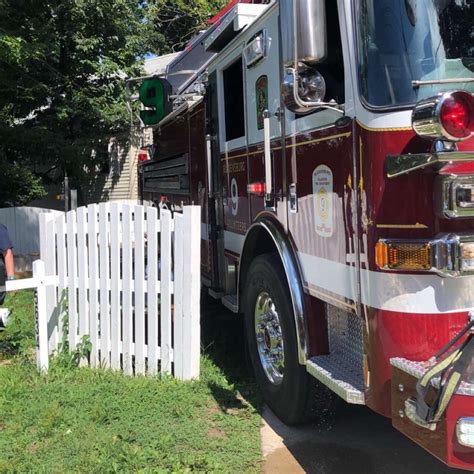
{"x": 311, "y": 89}
{"x": 465, "y": 432}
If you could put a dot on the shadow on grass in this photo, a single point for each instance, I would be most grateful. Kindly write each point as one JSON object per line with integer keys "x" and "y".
{"x": 223, "y": 341}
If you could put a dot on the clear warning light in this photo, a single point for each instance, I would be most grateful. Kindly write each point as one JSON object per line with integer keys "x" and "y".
{"x": 467, "y": 256}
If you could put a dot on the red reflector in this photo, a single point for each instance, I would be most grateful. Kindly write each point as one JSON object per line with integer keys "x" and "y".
{"x": 143, "y": 156}
{"x": 457, "y": 115}
{"x": 256, "y": 188}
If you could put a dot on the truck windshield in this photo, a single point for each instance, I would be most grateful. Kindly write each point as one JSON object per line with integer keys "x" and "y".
{"x": 401, "y": 41}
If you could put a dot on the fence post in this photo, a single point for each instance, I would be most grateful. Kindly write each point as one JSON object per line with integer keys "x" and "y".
{"x": 178, "y": 270}
{"x": 127, "y": 290}
{"x": 139, "y": 256}
{"x": 41, "y": 319}
{"x": 165, "y": 292}
{"x": 192, "y": 291}
{"x": 152, "y": 288}
{"x": 47, "y": 226}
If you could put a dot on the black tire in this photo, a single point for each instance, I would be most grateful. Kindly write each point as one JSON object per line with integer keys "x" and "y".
{"x": 288, "y": 396}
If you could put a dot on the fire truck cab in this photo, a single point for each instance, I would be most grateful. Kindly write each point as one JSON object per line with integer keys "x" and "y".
{"x": 330, "y": 145}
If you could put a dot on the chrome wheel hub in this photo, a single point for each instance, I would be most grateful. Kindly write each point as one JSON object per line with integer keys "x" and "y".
{"x": 269, "y": 338}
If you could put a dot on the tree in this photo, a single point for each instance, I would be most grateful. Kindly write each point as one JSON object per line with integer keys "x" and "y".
{"x": 179, "y": 20}
{"x": 62, "y": 65}
{"x": 62, "y": 70}
{"x": 18, "y": 185}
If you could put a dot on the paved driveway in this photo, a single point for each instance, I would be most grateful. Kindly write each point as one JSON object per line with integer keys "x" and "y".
{"x": 359, "y": 442}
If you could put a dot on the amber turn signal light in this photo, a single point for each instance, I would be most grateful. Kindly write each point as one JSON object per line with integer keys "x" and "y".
{"x": 448, "y": 255}
{"x": 393, "y": 255}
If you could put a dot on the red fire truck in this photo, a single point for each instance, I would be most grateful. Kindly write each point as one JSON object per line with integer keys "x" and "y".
{"x": 331, "y": 147}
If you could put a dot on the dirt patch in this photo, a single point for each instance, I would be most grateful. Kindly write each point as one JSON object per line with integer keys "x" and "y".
{"x": 34, "y": 447}
{"x": 216, "y": 433}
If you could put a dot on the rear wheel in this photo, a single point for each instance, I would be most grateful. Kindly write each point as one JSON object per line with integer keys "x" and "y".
{"x": 271, "y": 339}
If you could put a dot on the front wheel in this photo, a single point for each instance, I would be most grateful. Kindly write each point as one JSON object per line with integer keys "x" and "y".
{"x": 271, "y": 339}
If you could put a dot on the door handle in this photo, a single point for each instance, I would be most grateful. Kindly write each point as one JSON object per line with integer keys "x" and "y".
{"x": 210, "y": 191}
{"x": 267, "y": 155}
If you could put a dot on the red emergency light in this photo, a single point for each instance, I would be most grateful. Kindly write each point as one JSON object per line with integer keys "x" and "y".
{"x": 457, "y": 115}
{"x": 143, "y": 155}
{"x": 447, "y": 116}
{"x": 257, "y": 189}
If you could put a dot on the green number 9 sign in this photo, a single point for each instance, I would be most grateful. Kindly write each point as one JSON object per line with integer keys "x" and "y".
{"x": 154, "y": 95}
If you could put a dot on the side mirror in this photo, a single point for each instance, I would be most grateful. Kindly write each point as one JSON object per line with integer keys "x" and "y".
{"x": 303, "y": 25}
{"x": 155, "y": 94}
{"x": 303, "y": 91}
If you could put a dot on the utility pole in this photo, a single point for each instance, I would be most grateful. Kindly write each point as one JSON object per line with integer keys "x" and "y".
{"x": 66, "y": 192}
{"x": 73, "y": 199}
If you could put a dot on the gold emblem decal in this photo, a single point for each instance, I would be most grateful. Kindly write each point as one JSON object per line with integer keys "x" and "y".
{"x": 322, "y": 198}
{"x": 322, "y": 201}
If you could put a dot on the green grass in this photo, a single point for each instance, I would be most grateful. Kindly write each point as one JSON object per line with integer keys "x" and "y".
{"x": 19, "y": 337}
{"x": 83, "y": 420}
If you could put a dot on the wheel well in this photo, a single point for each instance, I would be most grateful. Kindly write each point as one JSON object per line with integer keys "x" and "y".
{"x": 267, "y": 236}
{"x": 258, "y": 242}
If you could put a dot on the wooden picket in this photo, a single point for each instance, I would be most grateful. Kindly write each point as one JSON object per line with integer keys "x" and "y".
{"x": 118, "y": 274}
{"x": 94, "y": 305}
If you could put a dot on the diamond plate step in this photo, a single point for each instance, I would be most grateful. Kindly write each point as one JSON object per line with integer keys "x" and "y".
{"x": 342, "y": 379}
{"x": 417, "y": 369}
{"x": 230, "y": 302}
{"x": 217, "y": 294}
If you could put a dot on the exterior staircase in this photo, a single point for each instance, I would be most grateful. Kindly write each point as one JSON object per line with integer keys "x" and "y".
{"x": 121, "y": 183}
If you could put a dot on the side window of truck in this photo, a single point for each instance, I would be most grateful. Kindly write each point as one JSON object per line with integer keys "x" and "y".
{"x": 233, "y": 82}
{"x": 332, "y": 68}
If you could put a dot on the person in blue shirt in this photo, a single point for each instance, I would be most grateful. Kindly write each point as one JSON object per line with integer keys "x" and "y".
{"x": 7, "y": 267}
{"x": 6, "y": 252}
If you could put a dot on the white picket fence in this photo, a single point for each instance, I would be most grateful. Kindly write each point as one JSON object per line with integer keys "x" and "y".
{"x": 127, "y": 281}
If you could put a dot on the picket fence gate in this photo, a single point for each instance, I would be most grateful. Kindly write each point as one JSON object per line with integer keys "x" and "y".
{"x": 127, "y": 281}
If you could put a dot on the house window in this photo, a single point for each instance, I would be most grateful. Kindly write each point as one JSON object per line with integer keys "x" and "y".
{"x": 234, "y": 101}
